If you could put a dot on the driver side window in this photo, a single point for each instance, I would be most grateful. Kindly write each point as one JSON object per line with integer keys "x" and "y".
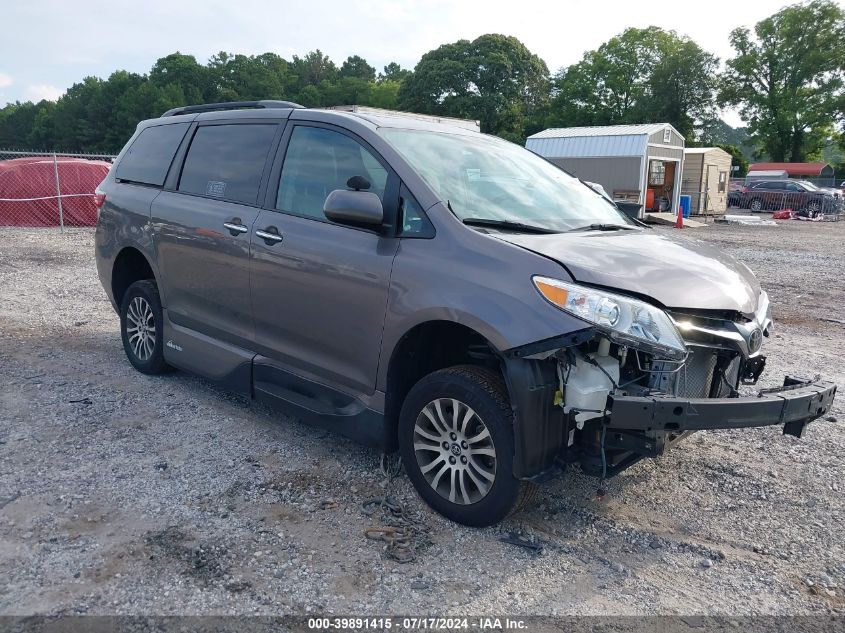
{"x": 317, "y": 162}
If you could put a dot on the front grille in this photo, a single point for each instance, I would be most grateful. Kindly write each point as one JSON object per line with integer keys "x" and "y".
{"x": 695, "y": 378}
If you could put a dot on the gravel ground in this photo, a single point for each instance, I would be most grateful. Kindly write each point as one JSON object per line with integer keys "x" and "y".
{"x": 127, "y": 494}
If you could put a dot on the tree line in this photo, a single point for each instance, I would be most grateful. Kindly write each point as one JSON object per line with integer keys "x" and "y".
{"x": 786, "y": 78}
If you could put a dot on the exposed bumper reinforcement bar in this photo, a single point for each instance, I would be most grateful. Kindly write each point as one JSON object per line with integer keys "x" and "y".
{"x": 795, "y": 405}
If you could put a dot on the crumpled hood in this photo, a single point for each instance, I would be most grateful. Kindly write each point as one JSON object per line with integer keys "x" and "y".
{"x": 675, "y": 271}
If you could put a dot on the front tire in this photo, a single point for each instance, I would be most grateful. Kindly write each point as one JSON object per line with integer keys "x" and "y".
{"x": 756, "y": 205}
{"x": 456, "y": 441}
{"x": 141, "y": 328}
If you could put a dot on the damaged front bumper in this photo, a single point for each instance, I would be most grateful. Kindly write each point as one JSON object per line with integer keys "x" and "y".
{"x": 793, "y": 406}
{"x": 644, "y": 425}
{"x": 637, "y": 427}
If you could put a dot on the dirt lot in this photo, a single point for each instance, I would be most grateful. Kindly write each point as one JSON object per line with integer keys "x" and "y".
{"x": 121, "y": 493}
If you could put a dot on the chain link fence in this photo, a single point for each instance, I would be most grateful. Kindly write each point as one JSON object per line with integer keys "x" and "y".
{"x": 50, "y": 189}
{"x": 801, "y": 196}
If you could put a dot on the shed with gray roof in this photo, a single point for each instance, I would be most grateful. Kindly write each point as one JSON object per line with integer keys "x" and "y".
{"x": 634, "y": 163}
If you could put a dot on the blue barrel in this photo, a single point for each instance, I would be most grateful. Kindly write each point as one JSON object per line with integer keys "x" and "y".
{"x": 686, "y": 205}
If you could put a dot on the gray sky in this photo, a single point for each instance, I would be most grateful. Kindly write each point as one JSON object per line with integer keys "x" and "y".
{"x": 48, "y": 44}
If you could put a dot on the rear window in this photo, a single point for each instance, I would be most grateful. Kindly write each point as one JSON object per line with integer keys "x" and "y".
{"x": 150, "y": 155}
{"x": 226, "y": 161}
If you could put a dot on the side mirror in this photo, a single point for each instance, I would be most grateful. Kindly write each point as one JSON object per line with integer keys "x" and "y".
{"x": 354, "y": 207}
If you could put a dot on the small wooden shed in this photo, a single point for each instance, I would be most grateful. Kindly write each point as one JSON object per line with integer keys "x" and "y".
{"x": 705, "y": 179}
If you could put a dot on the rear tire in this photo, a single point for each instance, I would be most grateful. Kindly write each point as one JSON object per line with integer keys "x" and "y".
{"x": 456, "y": 441}
{"x": 756, "y": 205}
{"x": 141, "y": 328}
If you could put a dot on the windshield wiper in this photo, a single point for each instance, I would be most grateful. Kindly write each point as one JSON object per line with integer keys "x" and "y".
{"x": 505, "y": 224}
{"x": 602, "y": 227}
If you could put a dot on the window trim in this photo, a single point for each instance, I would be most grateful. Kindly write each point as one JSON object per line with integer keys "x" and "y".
{"x": 389, "y": 228}
{"x": 175, "y": 175}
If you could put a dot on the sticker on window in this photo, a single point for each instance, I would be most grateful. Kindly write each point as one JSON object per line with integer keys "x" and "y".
{"x": 215, "y": 188}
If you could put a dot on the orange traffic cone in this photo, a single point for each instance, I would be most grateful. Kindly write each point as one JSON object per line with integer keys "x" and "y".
{"x": 679, "y": 222}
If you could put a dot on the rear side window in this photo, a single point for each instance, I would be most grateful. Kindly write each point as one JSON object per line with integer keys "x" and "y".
{"x": 150, "y": 155}
{"x": 226, "y": 161}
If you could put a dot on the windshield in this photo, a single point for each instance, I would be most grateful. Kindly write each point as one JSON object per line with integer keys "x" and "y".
{"x": 809, "y": 185}
{"x": 483, "y": 177}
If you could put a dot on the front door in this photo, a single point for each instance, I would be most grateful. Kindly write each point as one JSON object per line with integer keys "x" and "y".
{"x": 319, "y": 289}
{"x": 202, "y": 230}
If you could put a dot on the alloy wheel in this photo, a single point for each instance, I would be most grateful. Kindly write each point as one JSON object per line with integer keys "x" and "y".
{"x": 141, "y": 328}
{"x": 455, "y": 451}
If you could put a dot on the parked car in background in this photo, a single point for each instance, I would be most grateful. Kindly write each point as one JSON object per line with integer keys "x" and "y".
{"x": 799, "y": 195}
{"x": 423, "y": 287}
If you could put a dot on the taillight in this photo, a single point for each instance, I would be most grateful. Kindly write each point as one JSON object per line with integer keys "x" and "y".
{"x": 745, "y": 190}
{"x": 99, "y": 199}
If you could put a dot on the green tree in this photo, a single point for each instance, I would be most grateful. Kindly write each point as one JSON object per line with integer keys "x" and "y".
{"x": 383, "y": 94}
{"x": 357, "y": 67}
{"x": 75, "y": 117}
{"x": 313, "y": 69}
{"x": 42, "y": 134}
{"x": 116, "y": 127}
{"x": 16, "y": 123}
{"x": 787, "y": 78}
{"x": 640, "y": 76}
{"x": 183, "y": 71}
{"x": 248, "y": 78}
{"x": 683, "y": 86}
{"x": 394, "y": 72}
{"x": 494, "y": 79}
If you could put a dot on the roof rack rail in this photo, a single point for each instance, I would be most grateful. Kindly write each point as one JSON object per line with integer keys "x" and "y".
{"x": 230, "y": 105}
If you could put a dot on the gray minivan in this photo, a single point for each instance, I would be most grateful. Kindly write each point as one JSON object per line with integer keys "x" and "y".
{"x": 427, "y": 288}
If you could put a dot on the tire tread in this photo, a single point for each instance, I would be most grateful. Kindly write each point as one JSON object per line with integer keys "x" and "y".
{"x": 492, "y": 383}
{"x": 150, "y": 288}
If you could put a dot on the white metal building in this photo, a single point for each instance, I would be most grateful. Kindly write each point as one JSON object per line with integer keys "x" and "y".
{"x": 634, "y": 163}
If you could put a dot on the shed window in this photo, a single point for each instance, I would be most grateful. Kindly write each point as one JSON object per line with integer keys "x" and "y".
{"x": 656, "y": 172}
{"x": 667, "y": 135}
{"x": 723, "y": 180}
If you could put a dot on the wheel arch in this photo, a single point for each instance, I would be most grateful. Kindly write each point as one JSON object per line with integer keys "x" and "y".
{"x": 425, "y": 348}
{"x": 129, "y": 266}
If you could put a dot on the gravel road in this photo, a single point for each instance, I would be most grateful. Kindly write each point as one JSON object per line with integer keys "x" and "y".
{"x": 127, "y": 494}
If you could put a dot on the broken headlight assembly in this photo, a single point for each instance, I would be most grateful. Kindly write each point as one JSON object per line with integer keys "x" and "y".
{"x": 625, "y": 320}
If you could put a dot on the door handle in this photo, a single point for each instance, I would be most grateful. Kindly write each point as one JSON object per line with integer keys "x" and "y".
{"x": 270, "y": 235}
{"x": 235, "y": 226}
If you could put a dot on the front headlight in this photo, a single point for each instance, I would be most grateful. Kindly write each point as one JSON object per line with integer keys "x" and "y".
{"x": 625, "y": 320}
